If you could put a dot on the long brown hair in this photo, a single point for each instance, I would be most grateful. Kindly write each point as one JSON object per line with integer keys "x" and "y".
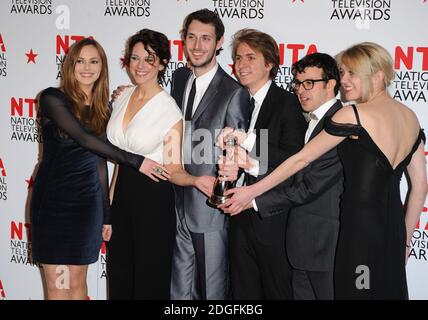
{"x": 98, "y": 117}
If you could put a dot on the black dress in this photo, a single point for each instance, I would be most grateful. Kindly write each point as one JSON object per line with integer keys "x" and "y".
{"x": 370, "y": 256}
{"x": 70, "y": 201}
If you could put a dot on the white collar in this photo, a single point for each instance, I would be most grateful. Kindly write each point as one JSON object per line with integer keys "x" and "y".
{"x": 322, "y": 109}
{"x": 203, "y": 81}
{"x": 260, "y": 95}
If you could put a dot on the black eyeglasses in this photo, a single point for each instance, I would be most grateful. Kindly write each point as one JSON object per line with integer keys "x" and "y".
{"x": 308, "y": 84}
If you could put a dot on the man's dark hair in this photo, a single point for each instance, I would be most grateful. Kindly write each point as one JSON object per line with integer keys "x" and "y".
{"x": 207, "y": 17}
{"x": 322, "y": 61}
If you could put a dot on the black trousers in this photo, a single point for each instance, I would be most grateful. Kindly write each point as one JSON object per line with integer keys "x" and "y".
{"x": 312, "y": 285}
{"x": 139, "y": 257}
{"x": 258, "y": 261}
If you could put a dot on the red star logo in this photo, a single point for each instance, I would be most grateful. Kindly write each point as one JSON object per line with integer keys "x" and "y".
{"x": 30, "y": 182}
{"x": 31, "y": 56}
{"x": 232, "y": 67}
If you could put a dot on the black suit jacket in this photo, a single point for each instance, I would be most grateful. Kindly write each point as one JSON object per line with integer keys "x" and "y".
{"x": 281, "y": 115}
{"x": 313, "y": 221}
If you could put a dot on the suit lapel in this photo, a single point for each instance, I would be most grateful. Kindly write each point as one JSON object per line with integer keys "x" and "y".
{"x": 336, "y": 106}
{"x": 181, "y": 88}
{"x": 267, "y": 107}
{"x": 209, "y": 94}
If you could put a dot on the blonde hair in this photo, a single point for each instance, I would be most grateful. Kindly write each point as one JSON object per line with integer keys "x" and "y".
{"x": 365, "y": 59}
{"x": 98, "y": 117}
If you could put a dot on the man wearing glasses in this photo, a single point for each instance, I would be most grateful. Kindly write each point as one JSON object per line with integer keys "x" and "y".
{"x": 313, "y": 199}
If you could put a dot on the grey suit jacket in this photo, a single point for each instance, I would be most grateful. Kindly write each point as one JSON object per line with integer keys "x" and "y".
{"x": 314, "y": 199}
{"x": 225, "y": 103}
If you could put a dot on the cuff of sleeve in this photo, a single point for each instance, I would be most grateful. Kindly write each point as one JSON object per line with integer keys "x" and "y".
{"x": 255, "y": 205}
{"x": 248, "y": 143}
{"x": 255, "y": 168}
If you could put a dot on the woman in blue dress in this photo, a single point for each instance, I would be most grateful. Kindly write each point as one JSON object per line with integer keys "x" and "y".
{"x": 69, "y": 212}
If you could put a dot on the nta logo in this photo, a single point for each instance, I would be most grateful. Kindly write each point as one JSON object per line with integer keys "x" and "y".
{"x": 2, "y": 292}
{"x": 2, "y": 46}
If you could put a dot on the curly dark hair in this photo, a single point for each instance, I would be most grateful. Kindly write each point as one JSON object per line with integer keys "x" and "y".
{"x": 157, "y": 41}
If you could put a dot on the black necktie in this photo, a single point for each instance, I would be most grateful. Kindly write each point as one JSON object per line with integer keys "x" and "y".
{"x": 190, "y": 100}
{"x": 252, "y": 106}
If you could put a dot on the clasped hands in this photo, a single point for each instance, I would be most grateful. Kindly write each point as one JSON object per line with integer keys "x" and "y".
{"x": 228, "y": 170}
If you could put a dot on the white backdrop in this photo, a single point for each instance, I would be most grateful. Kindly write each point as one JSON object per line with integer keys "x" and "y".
{"x": 34, "y": 35}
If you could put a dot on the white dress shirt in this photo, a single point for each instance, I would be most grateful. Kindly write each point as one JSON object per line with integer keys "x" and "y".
{"x": 315, "y": 117}
{"x": 202, "y": 83}
{"x": 248, "y": 143}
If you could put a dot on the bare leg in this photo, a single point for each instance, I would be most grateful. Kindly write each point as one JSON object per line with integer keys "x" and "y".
{"x": 66, "y": 282}
{"x": 57, "y": 282}
{"x": 78, "y": 286}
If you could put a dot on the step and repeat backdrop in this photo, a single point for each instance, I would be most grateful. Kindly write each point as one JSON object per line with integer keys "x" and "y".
{"x": 35, "y": 36}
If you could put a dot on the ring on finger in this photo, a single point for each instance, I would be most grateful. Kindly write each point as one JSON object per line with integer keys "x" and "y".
{"x": 158, "y": 170}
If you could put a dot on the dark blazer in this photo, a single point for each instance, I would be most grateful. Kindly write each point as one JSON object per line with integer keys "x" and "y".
{"x": 224, "y": 104}
{"x": 313, "y": 221}
{"x": 281, "y": 115}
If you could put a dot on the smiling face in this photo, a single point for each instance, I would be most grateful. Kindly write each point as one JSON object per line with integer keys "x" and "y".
{"x": 321, "y": 92}
{"x": 251, "y": 68}
{"x": 201, "y": 46}
{"x": 88, "y": 66}
{"x": 351, "y": 84}
{"x": 144, "y": 65}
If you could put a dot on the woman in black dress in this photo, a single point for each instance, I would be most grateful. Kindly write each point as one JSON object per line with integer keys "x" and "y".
{"x": 379, "y": 138}
{"x": 70, "y": 207}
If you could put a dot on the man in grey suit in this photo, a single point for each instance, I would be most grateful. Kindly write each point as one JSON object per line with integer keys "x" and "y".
{"x": 314, "y": 195}
{"x": 210, "y": 100}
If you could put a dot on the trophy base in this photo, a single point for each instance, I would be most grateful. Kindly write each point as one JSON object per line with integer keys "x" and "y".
{"x": 215, "y": 200}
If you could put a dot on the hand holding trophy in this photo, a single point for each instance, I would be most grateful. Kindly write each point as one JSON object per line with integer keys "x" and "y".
{"x": 222, "y": 184}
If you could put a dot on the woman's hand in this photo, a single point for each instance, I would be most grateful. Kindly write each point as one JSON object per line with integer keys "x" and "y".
{"x": 154, "y": 170}
{"x": 239, "y": 135}
{"x": 205, "y": 184}
{"x": 118, "y": 91}
{"x": 241, "y": 200}
{"x": 107, "y": 231}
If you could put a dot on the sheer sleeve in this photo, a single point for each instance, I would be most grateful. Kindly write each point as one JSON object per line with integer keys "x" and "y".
{"x": 341, "y": 129}
{"x": 55, "y": 106}
{"x": 103, "y": 176}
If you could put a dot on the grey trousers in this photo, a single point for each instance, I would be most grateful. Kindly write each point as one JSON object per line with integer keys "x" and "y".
{"x": 200, "y": 268}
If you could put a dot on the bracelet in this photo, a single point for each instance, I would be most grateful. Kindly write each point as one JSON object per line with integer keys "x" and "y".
{"x": 407, "y": 245}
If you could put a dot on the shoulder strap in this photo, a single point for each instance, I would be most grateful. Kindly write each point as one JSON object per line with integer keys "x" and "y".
{"x": 356, "y": 114}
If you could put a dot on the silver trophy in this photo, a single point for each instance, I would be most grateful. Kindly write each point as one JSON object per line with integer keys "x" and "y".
{"x": 221, "y": 186}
